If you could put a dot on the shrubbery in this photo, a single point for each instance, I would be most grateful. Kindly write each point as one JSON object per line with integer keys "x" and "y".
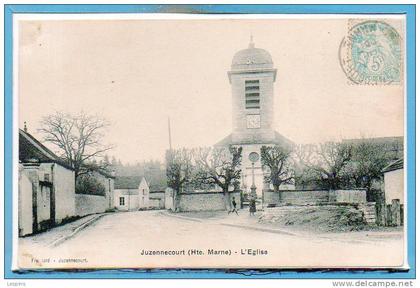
{"x": 88, "y": 184}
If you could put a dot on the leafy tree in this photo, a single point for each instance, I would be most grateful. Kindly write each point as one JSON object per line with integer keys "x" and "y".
{"x": 277, "y": 159}
{"x": 219, "y": 166}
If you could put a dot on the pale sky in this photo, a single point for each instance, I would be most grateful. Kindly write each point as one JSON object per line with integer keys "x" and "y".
{"x": 136, "y": 73}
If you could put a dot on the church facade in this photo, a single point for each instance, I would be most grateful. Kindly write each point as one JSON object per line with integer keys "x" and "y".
{"x": 252, "y": 77}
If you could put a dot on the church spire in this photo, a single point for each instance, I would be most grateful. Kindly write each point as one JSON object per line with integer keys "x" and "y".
{"x": 251, "y": 42}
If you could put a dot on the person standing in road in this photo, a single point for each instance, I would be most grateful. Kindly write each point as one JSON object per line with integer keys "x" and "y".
{"x": 252, "y": 206}
{"x": 234, "y": 207}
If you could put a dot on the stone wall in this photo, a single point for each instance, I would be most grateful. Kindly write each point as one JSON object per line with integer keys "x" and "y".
{"x": 205, "y": 201}
{"x": 25, "y": 203}
{"x": 108, "y": 183}
{"x": 64, "y": 189}
{"x": 157, "y": 199}
{"x": 313, "y": 197}
{"x": 348, "y": 196}
{"x": 90, "y": 204}
{"x": 304, "y": 197}
{"x": 169, "y": 199}
{"x": 369, "y": 212}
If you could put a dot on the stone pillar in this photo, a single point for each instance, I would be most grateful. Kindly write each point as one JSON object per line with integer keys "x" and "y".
{"x": 395, "y": 211}
{"x": 402, "y": 214}
{"x": 32, "y": 171}
{"x": 381, "y": 214}
{"x": 52, "y": 196}
{"x": 388, "y": 215}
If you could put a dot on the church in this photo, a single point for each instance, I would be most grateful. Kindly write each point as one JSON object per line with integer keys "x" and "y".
{"x": 252, "y": 78}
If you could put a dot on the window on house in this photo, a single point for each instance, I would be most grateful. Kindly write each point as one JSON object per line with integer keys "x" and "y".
{"x": 122, "y": 201}
{"x": 143, "y": 191}
{"x": 47, "y": 177}
{"x": 252, "y": 94}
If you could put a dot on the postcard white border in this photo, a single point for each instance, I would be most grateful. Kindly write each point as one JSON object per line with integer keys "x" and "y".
{"x": 173, "y": 16}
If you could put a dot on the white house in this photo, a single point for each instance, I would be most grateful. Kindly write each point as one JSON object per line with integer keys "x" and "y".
{"x": 394, "y": 181}
{"x": 46, "y": 187}
{"x": 144, "y": 193}
{"x": 131, "y": 193}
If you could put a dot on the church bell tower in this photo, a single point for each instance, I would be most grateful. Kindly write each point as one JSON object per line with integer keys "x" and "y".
{"x": 251, "y": 77}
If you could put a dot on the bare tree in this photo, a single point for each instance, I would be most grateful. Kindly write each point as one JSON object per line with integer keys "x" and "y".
{"x": 179, "y": 169}
{"x": 78, "y": 139}
{"x": 327, "y": 160}
{"x": 219, "y": 166}
{"x": 277, "y": 160}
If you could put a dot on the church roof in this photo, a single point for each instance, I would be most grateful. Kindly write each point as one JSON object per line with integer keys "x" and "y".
{"x": 225, "y": 141}
{"x": 251, "y": 58}
{"x": 278, "y": 139}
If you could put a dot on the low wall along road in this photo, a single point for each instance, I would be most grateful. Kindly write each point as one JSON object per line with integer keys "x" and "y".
{"x": 313, "y": 197}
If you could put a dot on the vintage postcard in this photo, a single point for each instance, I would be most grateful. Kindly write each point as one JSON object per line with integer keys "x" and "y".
{"x": 210, "y": 141}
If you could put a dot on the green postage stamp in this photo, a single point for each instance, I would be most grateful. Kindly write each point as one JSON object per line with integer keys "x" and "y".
{"x": 371, "y": 53}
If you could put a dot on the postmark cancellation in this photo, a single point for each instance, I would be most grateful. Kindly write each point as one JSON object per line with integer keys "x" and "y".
{"x": 371, "y": 53}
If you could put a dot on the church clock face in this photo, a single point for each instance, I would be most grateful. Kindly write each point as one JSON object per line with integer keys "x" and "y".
{"x": 253, "y": 121}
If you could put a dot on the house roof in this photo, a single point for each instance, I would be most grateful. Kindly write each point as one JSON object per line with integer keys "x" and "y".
{"x": 106, "y": 174}
{"x": 31, "y": 149}
{"x": 127, "y": 182}
{"x": 157, "y": 191}
{"x": 278, "y": 139}
{"x": 378, "y": 140}
{"x": 398, "y": 164}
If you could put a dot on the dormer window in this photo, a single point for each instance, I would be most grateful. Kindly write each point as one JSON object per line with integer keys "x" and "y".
{"x": 252, "y": 94}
